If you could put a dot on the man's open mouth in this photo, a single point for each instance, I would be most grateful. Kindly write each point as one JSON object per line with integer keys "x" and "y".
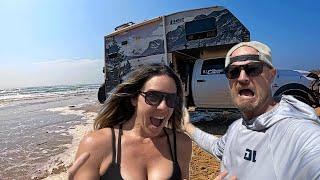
{"x": 246, "y": 92}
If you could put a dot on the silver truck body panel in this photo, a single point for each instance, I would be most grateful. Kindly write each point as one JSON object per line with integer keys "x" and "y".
{"x": 210, "y": 87}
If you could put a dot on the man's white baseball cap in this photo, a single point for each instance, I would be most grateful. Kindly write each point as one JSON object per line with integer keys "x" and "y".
{"x": 264, "y": 52}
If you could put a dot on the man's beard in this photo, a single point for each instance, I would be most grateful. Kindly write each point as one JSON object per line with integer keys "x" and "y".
{"x": 248, "y": 107}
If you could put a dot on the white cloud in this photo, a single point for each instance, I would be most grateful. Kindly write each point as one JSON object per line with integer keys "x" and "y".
{"x": 55, "y": 72}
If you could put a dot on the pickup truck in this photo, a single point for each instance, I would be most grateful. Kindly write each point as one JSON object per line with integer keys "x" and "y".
{"x": 210, "y": 88}
{"x": 194, "y": 43}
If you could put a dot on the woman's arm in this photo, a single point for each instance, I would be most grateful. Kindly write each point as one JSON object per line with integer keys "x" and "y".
{"x": 96, "y": 144}
{"x": 77, "y": 164}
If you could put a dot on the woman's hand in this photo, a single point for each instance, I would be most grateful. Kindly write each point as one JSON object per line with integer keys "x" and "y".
{"x": 77, "y": 164}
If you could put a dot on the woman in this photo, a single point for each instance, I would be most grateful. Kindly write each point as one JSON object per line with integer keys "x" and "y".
{"x": 131, "y": 139}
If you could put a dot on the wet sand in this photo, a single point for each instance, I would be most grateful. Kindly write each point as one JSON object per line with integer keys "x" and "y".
{"x": 57, "y": 168}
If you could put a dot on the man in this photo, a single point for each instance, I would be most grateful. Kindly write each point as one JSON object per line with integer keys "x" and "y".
{"x": 273, "y": 139}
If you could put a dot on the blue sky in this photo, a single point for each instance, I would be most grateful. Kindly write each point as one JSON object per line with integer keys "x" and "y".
{"x": 51, "y": 42}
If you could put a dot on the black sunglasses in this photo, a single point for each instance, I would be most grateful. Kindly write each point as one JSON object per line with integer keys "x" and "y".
{"x": 154, "y": 98}
{"x": 252, "y": 70}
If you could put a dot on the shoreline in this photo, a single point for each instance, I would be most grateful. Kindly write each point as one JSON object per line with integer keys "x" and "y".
{"x": 57, "y": 166}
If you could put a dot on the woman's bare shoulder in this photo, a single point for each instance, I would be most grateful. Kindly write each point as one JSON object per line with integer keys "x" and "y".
{"x": 182, "y": 138}
{"x": 96, "y": 140}
{"x": 98, "y": 144}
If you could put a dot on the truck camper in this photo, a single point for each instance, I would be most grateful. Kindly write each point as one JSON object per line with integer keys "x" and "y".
{"x": 194, "y": 43}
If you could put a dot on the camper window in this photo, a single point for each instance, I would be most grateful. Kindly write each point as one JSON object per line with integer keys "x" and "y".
{"x": 202, "y": 28}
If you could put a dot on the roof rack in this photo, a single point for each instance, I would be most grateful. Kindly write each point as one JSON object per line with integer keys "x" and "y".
{"x": 124, "y": 25}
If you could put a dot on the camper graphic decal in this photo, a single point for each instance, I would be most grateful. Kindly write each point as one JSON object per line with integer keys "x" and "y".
{"x": 125, "y": 50}
{"x": 228, "y": 30}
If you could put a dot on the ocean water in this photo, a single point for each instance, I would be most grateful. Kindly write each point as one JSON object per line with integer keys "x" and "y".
{"x": 32, "y": 128}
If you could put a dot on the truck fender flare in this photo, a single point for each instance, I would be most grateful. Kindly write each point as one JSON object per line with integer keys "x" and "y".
{"x": 298, "y": 90}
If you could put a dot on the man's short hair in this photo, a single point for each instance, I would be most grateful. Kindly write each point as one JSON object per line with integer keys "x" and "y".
{"x": 264, "y": 52}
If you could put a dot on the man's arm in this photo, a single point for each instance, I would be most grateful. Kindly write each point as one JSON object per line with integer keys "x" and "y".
{"x": 210, "y": 143}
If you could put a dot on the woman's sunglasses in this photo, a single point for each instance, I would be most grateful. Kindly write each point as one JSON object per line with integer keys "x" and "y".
{"x": 154, "y": 98}
{"x": 252, "y": 70}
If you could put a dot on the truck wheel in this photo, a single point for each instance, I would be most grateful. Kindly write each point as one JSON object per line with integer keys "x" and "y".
{"x": 102, "y": 93}
{"x": 298, "y": 91}
{"x": 302, "y": 98}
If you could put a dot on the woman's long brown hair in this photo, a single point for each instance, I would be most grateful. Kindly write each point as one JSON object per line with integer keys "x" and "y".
{"x": 118, "y": 108}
